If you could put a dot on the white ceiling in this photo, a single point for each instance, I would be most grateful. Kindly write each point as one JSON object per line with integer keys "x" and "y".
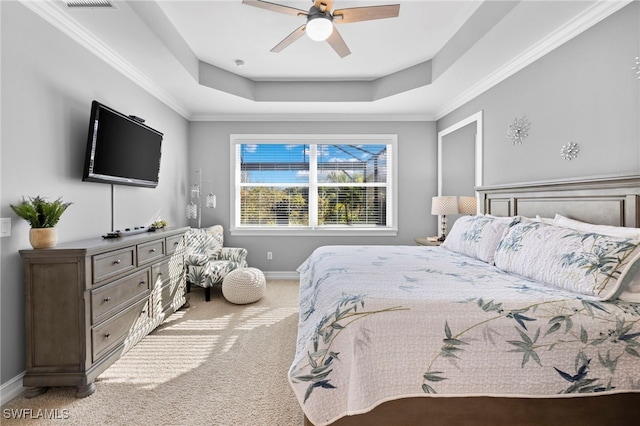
{"x": 378, "y": 47}
{"x": 165, "y": 46}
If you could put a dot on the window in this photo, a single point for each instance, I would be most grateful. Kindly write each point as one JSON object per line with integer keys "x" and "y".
{"x": 313, "y": 184}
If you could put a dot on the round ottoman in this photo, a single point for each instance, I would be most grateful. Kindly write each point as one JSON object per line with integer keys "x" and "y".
{"x": 244, "y": 285}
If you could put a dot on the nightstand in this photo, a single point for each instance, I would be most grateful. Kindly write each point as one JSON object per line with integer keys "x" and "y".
{"x": 427, "y": 241}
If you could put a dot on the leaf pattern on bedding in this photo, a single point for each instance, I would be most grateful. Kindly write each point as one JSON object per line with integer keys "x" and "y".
{"x": 583, "y": 262}
{"x": 601, "y": 257}
{"x": 318, "y": 364}
{"x": 554, "y": 332}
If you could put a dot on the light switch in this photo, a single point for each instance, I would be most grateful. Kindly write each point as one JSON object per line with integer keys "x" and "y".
{"x": 5, "y": 227}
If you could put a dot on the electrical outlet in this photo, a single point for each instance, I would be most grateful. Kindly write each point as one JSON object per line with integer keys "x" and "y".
{"x": 269, "y": 255}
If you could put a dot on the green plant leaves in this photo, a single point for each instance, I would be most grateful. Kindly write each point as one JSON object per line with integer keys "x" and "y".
{"x": 39, "y": 212}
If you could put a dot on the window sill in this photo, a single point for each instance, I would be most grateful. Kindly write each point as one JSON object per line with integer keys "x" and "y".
{"x": 319, "y": 232}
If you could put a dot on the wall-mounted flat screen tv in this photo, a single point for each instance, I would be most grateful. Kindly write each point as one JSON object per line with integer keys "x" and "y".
{"x": 121, "y": 149}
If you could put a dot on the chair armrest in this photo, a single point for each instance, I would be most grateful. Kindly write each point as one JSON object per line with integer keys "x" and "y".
{"x": 235, "y": 254}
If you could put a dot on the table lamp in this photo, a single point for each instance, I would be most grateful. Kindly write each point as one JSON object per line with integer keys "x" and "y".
{"x": 467, "y": 205}
{"x": 443, "y": 206}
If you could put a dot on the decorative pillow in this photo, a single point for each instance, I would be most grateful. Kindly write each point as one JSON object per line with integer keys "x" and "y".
{"x": 593, "y": 264}
{"x": 216, "y": 232}
{"x": 477, "y": 236}
{"x": 629, "y": 290}
{"x": 200, "y": 242}
{"x": 614, "y": 231}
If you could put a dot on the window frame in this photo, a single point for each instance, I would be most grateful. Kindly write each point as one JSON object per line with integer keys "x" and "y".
{"x": 318, "y": 139}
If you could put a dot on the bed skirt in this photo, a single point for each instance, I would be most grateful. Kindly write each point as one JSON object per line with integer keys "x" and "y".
{"x": 615, "y": 409}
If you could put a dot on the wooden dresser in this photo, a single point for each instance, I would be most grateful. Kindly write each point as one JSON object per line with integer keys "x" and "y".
{"x": 88, "y": 302}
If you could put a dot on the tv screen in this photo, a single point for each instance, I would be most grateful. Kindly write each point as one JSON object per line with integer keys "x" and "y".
{"x": 121, "y": 149}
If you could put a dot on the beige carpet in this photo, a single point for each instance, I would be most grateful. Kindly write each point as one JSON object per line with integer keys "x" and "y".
{"x": 213, "y": 363}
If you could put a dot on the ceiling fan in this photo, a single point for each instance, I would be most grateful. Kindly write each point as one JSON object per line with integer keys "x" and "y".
{"x": 320, "y": 21}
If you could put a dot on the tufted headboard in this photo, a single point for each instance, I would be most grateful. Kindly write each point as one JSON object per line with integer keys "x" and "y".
{"x": 611, "y": 200}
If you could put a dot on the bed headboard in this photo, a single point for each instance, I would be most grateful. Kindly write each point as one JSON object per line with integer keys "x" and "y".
{"x": 613, "y": 200}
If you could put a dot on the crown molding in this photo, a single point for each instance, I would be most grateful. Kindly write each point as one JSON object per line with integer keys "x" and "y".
{"x": 312, "y": 117}
{"x": 52, "y": 14}
{"x": 591, "y": 16}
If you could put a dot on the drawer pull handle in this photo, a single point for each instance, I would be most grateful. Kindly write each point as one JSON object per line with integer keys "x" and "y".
{"x": 153, "y": 250}
{"x": 107, "y": 335}
{"x": 144, "y": 311}
{"x": 107, "y": 299}
{"x": 117, "y": 261}
{"x": 175, "y": 243}
{"x": 142, "y": 282}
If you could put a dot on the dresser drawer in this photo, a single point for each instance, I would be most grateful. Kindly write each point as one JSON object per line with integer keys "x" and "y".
{"x": 113, "y": 263}
{"x": 168, "y": 294}
{"x": 151, "y": 251}
{"x": 173, "y": 243}
{"x": 160, "y": 273}
{"x": 111, "y": 297}
{"x": 115, "y": 330}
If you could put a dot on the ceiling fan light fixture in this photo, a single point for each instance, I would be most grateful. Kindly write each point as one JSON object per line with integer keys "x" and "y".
{"x": 319, "y": 27}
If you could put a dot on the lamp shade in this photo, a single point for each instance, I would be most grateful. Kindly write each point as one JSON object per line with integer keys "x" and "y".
{"x": 467, "y": 205}
{"x": 444, "y": 205}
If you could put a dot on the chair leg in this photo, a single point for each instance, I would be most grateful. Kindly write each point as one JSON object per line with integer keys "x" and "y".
{"x": 207, "y": 294}
{"x": 188, "y": 287}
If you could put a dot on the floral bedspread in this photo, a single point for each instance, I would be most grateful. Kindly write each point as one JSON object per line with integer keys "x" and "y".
{"x": 379, "y": 323}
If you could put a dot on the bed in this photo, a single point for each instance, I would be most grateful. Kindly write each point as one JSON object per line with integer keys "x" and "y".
{"x": 474, "y": 333}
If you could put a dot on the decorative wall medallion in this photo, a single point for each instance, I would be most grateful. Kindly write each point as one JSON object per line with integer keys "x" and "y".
{"x": 518, "y": 130}
{"x": 569, "y": 151}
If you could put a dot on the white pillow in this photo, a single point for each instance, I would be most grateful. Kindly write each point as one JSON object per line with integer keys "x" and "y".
{"x": 593, "y": 264}
{"x": 630, "y": 287}
{"x": 629, "y": 290}
{"x": 548, "y": 220}
{"x": 477, "y": 236}
{"x": 614, "y": 231}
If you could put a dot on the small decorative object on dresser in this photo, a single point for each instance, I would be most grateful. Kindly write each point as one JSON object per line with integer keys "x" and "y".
{"x": 43, "y": 216}
{"x": 88, "y": 302}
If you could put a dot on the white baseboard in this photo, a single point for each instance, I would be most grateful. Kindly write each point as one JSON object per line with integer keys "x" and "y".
{"x": 281, "y": 275}
{"x": 11, "y": 389}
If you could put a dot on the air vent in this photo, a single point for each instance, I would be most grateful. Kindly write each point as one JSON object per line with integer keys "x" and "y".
{"x": 92, "y": 4}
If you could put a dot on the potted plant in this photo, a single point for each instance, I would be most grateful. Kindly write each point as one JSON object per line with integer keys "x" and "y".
{"x": 43, "y": 216}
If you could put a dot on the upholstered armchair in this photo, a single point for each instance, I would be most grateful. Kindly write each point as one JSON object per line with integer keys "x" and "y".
{"x": 207, "y": 261}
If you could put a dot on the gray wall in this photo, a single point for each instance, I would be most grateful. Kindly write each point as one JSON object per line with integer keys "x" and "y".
{"x": 48, "y": 83}
{"x": 459, "y": 161}
{"x": 584, "y": 91}
{"x": 417, "y": 181}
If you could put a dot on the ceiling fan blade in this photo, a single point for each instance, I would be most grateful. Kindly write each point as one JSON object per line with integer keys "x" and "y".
{"x": 275, "y": 7}
{"x": 337, "y": 42}
{"x": 328, "y": 4}
{"x": 299, "y": 32}
{"x": 358, "y": 14}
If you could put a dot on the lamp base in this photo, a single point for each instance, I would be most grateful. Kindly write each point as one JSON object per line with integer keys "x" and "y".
{"x": 443, "y": 228}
